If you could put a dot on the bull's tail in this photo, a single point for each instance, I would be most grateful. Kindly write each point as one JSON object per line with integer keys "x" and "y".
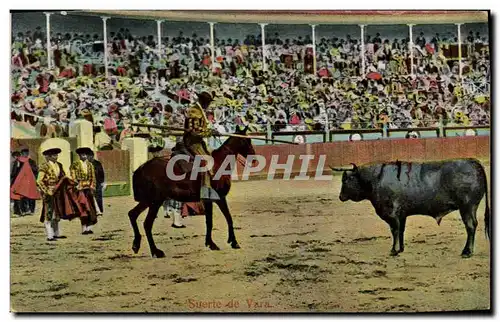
{"x": 487, "y": 217}
{"x": 487, "y": 213}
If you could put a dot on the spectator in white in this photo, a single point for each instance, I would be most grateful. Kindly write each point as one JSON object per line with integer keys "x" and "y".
{"x": 38, "y": 34}
{"x": 478, "y": 39}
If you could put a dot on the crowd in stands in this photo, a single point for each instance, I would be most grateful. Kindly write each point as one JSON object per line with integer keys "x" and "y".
{"x": 146, "y": 87}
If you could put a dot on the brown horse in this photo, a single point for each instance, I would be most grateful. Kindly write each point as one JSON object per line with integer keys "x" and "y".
{"x": 152, "y": 187}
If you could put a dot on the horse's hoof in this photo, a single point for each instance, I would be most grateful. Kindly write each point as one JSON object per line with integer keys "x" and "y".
{"x": 394, "y": 253}
{"x": 136, "y": 245}
{"x": 213, "y": 246}
{"x": 235, "y": 246}
{"x": 466, "y": 254}
{"x": 158, "y": 253}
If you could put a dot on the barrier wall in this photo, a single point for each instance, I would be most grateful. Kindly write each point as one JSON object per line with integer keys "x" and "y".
{"x": 360, "y": 152}
{"x": 116, "y": 165}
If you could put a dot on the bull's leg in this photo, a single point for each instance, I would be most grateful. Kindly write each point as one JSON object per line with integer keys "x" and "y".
{"x": 148, "y": 227}
{"x": 394, "y": 224}
{"x": 222, "y": 203}
{"x": 402, "y": 226}
{"x": 468, "y": 214}
{"x": 208, "y": 220}
{"x": 132, "y": 215}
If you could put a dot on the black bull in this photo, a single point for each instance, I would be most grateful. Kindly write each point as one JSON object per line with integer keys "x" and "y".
{"x": 401, "y": 189}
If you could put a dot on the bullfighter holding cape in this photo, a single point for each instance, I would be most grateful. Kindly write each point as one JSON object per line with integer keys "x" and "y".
{"x": 58, "y": 202}
{"x": 83, "y": 175}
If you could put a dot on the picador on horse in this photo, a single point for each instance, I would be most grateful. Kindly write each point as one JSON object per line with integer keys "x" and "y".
{"x": 197, "y": 129}
{"x": 152, "y": 186}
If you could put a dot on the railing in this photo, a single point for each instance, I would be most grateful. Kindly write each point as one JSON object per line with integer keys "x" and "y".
{"x": 366, "y": 134}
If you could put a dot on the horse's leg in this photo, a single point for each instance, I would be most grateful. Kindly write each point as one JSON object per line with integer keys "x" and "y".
{"x": 222, "y": 203}
{"x": 132, "y": 215}
{"x": 148, "y": 227}
{"x": 208, "y": 220}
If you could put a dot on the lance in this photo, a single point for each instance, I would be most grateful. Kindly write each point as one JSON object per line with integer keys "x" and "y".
{"x": 176, "y": 128}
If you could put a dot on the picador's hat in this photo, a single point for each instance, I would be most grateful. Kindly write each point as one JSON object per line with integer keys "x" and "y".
{"x": 205, "y": 95}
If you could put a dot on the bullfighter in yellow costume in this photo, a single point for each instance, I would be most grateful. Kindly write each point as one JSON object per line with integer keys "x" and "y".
{"x": 49, "y": 175}
{"x": 82, "y": 173}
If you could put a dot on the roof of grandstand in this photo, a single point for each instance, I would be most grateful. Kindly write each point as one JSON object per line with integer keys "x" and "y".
{"x": 304, "y": 17}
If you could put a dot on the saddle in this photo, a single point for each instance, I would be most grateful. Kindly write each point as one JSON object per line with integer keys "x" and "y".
{"x": 183, "y": 165}
{"x": 181, "y": 149}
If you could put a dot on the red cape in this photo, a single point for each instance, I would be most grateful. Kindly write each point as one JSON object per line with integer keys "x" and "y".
{"x": 67, "y": 203}
{"x": 195, "y": 207}
{"x": 25, "y": 184}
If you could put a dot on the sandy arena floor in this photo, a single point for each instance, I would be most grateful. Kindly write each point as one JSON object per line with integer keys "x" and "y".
{"x": 302, "y": 250}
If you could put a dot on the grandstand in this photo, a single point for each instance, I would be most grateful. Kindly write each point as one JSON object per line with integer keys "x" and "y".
{"x": 313, "y": 76}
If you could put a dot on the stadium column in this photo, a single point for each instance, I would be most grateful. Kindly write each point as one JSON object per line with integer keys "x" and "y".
{"x": 157, "y": 85}
{"x": 362, "y": 50}
{"x": 269, "y": 131}
{"x": 441, "y": 126}
{"x": 212, "y": 45}
{"x": 49, "y": 54}
{"x": 459, "y": 36}
{"x": 313, "y": 27}
{"x": 327, "y": 126}
{"x": 410, "y": 47}
{"x": 263, "y": 36}
{"x": 158, "y": 24}
{"x": 105, "y": 33}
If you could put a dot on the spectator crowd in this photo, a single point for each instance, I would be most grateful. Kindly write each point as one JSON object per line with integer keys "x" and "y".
{"x": 150, "y": 86}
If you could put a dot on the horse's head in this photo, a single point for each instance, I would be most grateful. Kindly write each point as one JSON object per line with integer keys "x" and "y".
{"x": 241, "y": 146}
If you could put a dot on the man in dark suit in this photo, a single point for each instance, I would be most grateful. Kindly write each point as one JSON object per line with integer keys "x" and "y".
{"x": 24, "y": 206}
{"x": 99, "y": 178}
{"x": 13, "y": 165}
